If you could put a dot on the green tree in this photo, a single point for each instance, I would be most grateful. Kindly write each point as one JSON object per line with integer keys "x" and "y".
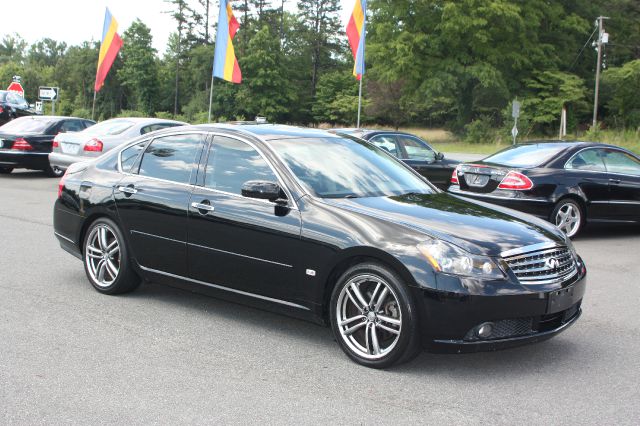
{"x": 139, "y": 72}
{"x": 265, "y": 89}
{"x": 336, "y": 98}
{"x": 620, "y": 88}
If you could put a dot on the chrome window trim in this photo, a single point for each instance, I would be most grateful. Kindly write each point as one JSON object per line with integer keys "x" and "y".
{"x": 603, "y": 163}
{"x": 229, "y": 289}
{"x": 242, "y": 255}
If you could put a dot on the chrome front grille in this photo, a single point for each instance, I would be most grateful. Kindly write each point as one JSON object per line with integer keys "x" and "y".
{"x": 543, "y": 266}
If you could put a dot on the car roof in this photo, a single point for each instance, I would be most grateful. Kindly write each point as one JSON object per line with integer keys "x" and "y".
{"x": 269, "y": 131}
{"x": 567, "y": 144}
{"x": 144, "y": 120}
{"x": 52, "y": 117}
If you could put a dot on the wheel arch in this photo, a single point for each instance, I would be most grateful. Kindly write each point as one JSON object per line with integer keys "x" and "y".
{"x": 578, "y": 198}
{"x": 353, "y": 256}
{"x": 89, "y": 221}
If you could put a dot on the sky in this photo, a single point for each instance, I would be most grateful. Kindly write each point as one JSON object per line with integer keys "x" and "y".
{"x": 75, "y": 21}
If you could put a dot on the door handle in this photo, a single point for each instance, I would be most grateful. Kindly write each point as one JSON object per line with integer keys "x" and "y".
{"x": 203, "y": 207}
{"x": 127, "y": 189}
{"x": 616, "y": 181}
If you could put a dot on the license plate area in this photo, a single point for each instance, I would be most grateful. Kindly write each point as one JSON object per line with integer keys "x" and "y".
{"x": 560, "y": 300}
{"x": 477, "y": 181}
{"x": 69, "y": 148}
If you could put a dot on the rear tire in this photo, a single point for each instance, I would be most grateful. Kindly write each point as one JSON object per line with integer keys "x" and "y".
{"x": 106, "y": 259}
{"x": 5, "y": 170}
{"x": 568, "y": 216}
{"x": 374, "y": 317}
{"x": 54, "y": 171}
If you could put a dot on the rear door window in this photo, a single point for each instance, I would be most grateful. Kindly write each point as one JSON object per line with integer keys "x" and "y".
{"x": 129, "y": 156}
{"x": 157, "y": 126}
{"x": 590, "y": 159}
{"x": 171, "y": 158}
{"x": 387, "y": 142}
{"x": 72, "y": 126}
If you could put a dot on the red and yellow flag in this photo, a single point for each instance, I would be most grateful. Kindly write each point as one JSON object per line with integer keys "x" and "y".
{"x": 111, "y": 44}
{"x": 356, "y": 32}
{"x": 225, "y": 63}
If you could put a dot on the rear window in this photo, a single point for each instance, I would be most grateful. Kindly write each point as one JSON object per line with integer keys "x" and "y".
{"x": 27, "y": 125}
{"x": 109, "y": 127}
{"x": 525, "y": 156}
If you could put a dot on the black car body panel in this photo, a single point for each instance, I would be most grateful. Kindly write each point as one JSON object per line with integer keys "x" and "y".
{"x": 40, "y": 141}
{"x": 13, "y": 106}
{"x": 286, "y": 256}
{"x": 605, "y": 195}
{"x": 437, "y": 169}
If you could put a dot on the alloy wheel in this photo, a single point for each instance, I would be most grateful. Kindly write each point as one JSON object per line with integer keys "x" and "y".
{"x": 102, "y": 255}
{"x": 568, "y": 219}
{"x": 368, "y": 316}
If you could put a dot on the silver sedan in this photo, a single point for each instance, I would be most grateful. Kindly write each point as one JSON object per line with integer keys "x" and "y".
{"x": 69, "y": 148}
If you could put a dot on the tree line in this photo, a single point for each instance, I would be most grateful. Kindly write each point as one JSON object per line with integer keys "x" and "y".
{"x": 453, "y": 64}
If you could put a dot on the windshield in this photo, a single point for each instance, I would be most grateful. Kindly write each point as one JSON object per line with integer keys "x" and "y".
{"x": 524, "y": 156}
{"x": 343, "y": 168}
{"x": 109, "y": 127}
{"x": 27, "y": 125}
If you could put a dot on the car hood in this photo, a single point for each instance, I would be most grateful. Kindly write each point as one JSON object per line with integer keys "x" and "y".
{"x": 476, "y": 227}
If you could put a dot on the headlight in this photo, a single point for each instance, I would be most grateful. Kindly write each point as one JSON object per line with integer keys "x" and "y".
{"x": 447, "y": 258}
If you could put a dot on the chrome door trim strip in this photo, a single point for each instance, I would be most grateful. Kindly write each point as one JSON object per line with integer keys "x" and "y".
{"x": 232, "y": 290}
{"x": 158, "y": 236}
{"x": 63, "y": 237}
{"x": 241, "y": 255}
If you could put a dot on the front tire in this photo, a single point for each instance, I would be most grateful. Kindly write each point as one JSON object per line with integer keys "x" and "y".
{"x": 568, "y": 216}
{"x": 106, "y": 259}
{"x": 373, "y": 316}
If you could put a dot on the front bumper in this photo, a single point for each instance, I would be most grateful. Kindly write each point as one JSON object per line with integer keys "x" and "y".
{"x": 450, "y": 321}
{"x": 24, "y": 159}
{"x": 539, "y": 207}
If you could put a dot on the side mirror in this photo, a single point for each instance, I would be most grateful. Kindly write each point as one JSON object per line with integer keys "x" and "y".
{"x": 262, "y": 190}
{"x": 439, "y": 156}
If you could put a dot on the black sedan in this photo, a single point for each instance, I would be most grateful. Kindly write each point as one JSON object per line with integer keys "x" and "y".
{"x": 409, "y": 148}
{"x": 13, "y": 106}
{"x": 567, "y": 183}
{"x": 25, "y": 143}
{"x": 320, "y": 227}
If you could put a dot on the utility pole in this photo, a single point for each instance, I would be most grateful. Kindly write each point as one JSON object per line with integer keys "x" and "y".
{"x": 603, "y": 38}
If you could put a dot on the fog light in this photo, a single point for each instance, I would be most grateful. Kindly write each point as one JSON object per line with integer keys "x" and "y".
{"x": 485, "y": 330}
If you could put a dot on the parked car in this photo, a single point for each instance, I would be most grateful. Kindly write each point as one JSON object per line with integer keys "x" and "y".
{"x": 13, "y": 106}
{"x": 567, "y": 183}
{"x": 414, "y": 151}
{"x": 25, "y": 143}
{"x": 321, "y": 227}
{"x": 104, "y": 136}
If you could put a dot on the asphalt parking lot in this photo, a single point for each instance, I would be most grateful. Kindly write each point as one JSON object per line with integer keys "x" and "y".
{"x": 162, "y": 355}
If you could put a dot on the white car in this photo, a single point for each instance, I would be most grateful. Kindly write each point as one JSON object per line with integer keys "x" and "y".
{"x": 69, "y": 148}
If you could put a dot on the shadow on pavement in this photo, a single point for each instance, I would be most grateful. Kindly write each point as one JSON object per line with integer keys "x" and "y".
{"x": 26, "y": 174}
{"x": 600, "y": 231}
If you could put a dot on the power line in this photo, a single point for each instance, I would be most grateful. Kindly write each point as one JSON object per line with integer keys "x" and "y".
{"x": 582, "y": 50}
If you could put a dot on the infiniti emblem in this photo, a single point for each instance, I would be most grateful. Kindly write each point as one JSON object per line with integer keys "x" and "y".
{"x": 552, "y": 263}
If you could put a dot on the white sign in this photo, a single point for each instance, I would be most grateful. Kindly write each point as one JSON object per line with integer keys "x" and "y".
{"x": 515, "y": 109}
{"x": 48, "y": 93}
{"x": 514, "y": 132}
{"x": 39, "y": 108}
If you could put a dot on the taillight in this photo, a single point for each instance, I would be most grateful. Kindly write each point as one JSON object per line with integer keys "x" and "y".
{"x": 94, "y": 145}
{"x": 21, "y": 145}
{"x": 61, "y": 184}
{"x": 1, "y": 110}
{"x": 515, "y": 181}
{"x": 454, "y": 177}
{"x": 56, "y": 144}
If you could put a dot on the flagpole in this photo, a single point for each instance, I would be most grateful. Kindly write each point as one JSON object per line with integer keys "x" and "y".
{"x": 93, "y": 109}
{"x": 360, "y": 100}
{"x": 210, "y": 98}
